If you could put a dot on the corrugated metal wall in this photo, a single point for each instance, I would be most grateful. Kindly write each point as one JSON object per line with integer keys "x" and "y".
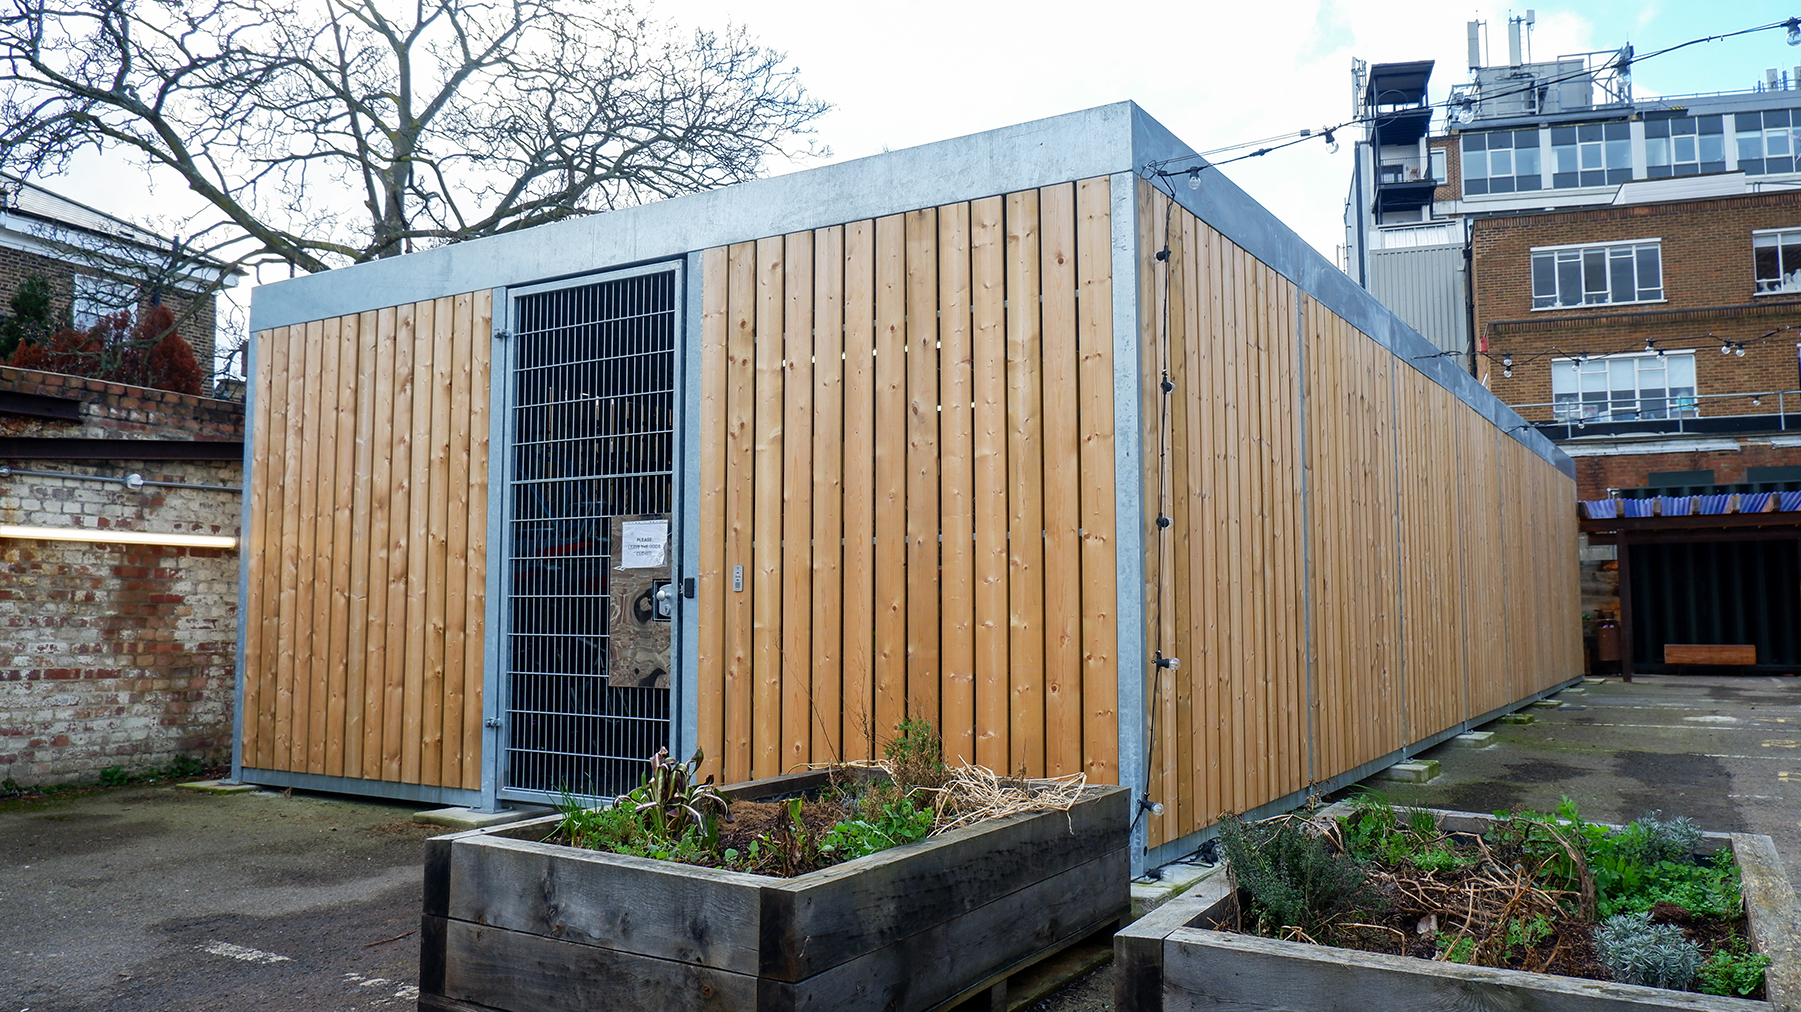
{"x": 1356, "y": 559}
{"x": 1424, "y": 286}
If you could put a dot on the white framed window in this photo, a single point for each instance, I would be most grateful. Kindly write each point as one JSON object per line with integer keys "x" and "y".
{"x": 1501, "y": 161}
{"x": 1624, "y": 388}
{"x": 1591, "y": 154}
{"x": 1564, "y": 277}
{"x": 97, "y": 297}
{"x": 1776, "y": 254}
{"x": 1678, "y": 145}
{"x": 1766, "y": 141}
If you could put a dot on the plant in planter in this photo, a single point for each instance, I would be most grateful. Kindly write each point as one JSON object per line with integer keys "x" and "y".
{"x": 1505, "y": 911}
{"x": 514, "y": 921}
{"x": 862, "y": 809}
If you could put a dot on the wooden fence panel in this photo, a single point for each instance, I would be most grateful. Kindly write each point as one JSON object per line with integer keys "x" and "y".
{"x": 932, "y": 462}
{"x": 828, "y": 534}
{"x": 369, "y": 498}
{"x": 1317, "y": 639}
{"x": 799, "y": 715}
{"x": 956, "y": 472}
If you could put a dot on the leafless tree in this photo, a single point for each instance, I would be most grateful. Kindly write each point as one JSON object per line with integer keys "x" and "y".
{"x": 327, "y": 132}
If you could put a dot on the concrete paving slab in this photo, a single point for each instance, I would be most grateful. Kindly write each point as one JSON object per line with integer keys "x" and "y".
{"x": 217, "y": 787}
{"x": 468, "y": 818}
{"x": 1413, "y": 771}
{"x": 1472, "y": 739}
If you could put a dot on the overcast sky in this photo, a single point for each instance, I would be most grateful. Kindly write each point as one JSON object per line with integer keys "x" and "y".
{"x": 1215, "y": 73}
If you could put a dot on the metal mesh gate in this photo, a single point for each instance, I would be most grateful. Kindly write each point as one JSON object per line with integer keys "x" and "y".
{"x": 592, "y": 431}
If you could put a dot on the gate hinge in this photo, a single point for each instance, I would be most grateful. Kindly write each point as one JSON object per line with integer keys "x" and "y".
{"x": 491, "y": 722}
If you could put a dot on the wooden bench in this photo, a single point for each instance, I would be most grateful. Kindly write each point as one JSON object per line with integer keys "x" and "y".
{"x": 1717, "y": 654}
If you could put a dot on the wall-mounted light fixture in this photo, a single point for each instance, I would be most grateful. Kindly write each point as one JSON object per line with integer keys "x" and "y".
{"x": 95, "y": 535}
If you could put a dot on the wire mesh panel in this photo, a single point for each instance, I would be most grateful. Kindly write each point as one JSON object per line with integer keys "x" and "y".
{"x": 592, "y": 440}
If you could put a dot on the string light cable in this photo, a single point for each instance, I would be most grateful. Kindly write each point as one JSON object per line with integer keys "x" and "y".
{"x": 1622, "y": 64}
{"x": 1509, "y": 361}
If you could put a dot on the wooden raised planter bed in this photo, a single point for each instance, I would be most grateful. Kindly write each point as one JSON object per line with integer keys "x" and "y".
{"x": 1163, "y": 962}
{"x": 517, "y": 924}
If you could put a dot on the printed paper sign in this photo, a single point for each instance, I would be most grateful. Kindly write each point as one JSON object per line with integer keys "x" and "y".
{"x": 644, "y": 544}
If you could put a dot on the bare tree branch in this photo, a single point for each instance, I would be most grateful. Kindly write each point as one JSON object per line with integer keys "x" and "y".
{"x": 326, "y": 132}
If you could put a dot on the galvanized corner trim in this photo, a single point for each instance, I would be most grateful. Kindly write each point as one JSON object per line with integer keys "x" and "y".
{"x": 1128, "y": 505}
{"x": 494, "y": 604}
{"x": 686, "y": 665}
{"x": 245, "y": 542}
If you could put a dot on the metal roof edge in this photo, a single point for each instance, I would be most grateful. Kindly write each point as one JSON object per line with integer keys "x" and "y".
{"x": 1230, "y": 211}
{"x": 1077, "y": 145}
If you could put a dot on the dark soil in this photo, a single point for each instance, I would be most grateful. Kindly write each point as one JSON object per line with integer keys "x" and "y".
{"x": 751, "y": 820}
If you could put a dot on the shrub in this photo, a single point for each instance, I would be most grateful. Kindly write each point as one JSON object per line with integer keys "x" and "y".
{"x": 1293, "y": 876}
{"x": 1636, "y": 951}
{"x": 1650, "y": 839}
{"x": 32, "y": 319}
{"x": 151, "y": 353}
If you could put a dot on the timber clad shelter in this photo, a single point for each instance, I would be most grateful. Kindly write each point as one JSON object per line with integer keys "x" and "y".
{"x": 979, "y": 432}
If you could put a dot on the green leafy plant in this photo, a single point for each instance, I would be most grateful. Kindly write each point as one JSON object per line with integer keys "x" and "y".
{"x": 1378, "y": 831}
{"x": 1456, "y": 949}
{"x": 1524, "y": 933}
{"x": 115, "y": 776}
{"x": 1294, "y": 878}
{"x": 1636, "y": 951}
{"x": 897, "y": 821}
{"x": 1733, "y": 969}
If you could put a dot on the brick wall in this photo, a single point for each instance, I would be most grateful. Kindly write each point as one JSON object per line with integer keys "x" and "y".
{"x": 120, "y": 411}
{"x": 116, "y": 655}
{"x": 1597, "y": 473}
{"x": 199, "y": 330}
{"x": 1451, "y": 187}
{"x": 1708, "y": 298}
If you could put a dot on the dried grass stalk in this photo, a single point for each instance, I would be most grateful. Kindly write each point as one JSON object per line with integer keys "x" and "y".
{"x": 973, "y": 793}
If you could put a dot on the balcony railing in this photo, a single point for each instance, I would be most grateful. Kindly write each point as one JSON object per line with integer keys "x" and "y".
{"x": 1754, "y": 411}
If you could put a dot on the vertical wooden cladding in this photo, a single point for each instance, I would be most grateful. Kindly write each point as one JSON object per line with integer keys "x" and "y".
{"x": 1355, "y": 559}
{"x": 919, "y": 535}
{"x": 368, "y": 512}
{"x": 1223, "y": 464}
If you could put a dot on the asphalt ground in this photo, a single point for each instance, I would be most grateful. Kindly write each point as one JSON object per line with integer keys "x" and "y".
{"x": 154, "y": 898}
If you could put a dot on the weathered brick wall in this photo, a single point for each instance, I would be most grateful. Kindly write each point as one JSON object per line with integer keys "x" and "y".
{"x": 118, "y": 411}
{"x": 198, "y": 329}
{"x": 116, "y": 655}
{"x": 1708, "y": 277}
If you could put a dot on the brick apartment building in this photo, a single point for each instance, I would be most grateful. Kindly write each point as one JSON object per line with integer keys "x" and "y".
{"x": 1692, "y": 369}
{"x": 1626, "y": 274}
{"x": 98, "y": 265}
